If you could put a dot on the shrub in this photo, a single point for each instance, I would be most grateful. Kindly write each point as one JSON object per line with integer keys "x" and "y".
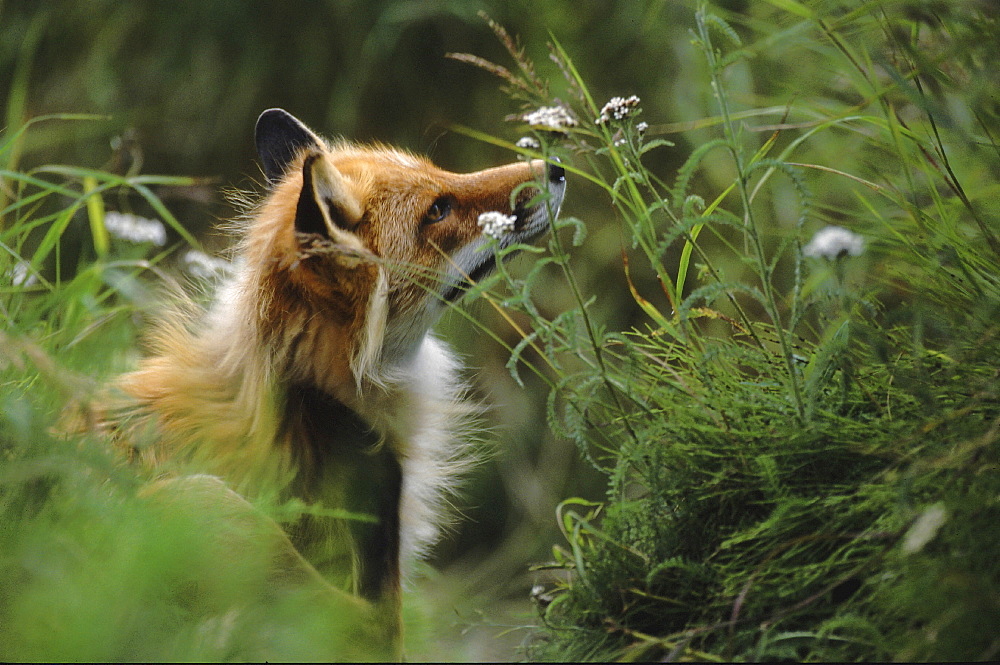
{"x": 800, "y": 443}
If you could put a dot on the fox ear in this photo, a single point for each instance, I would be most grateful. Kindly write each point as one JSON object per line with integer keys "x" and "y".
{"x": 280, "y": 136}
{"x": 326, "y": 204}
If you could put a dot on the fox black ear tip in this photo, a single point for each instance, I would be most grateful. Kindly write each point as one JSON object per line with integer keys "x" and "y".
{"x": 280, "y": 136}
{"x": 275, "y": 116}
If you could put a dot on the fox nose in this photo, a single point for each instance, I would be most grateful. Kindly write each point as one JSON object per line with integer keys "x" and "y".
{"x": 556, "y": 172}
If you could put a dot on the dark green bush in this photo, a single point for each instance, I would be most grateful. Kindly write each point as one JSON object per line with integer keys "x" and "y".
{"x": 801, "y": 440}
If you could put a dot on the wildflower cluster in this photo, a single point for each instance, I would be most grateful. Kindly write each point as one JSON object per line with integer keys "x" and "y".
{"x": 495, "y": 224}
{"x": 134, "y": 228}
{"x": 550, "y": 118}
{"x": 528, "y": 143}
{"x": 618, "y": 108}
{"x": 21, "y": 275}
{"x": 834, "y": 242}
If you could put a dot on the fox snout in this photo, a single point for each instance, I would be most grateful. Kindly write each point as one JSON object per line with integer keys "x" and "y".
{"x": 533, "y": 220}
{"x": 532, "y": 210}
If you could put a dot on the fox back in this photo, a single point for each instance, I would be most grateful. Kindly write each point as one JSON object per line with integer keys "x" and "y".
{"x": 313, "y": 371}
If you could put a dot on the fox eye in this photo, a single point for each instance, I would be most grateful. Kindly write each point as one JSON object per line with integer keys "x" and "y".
{"x": 438, "y": 210}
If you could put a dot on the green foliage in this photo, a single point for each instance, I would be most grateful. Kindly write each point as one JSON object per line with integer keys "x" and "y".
{"x": 801, "y": 441}
{"x": 799, "y": 454}
{"x": 89, "y": 568}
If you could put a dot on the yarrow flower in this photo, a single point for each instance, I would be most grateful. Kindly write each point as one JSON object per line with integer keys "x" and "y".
{"x": 528, "y": 143}
{"x": 496, "y": 224}
{"x": 618, "y": 108}
{"x": 550, "y": 118}
{"x": 134, "y": 228}
{"x": 924, "y": 528}
{"x": 21, "y": 275}
{"x": 203, "y": 266}
{"x": 642, "y": 127}
{"x": 834, "y": 242}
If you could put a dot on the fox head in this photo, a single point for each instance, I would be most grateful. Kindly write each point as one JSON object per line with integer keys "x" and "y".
{"x": 372, "y": 243}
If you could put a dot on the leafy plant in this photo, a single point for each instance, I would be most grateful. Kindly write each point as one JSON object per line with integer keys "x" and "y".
{"x": 800, "y": 443}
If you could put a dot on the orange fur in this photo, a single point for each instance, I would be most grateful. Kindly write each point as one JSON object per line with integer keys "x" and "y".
{"x": 313, "y": 373}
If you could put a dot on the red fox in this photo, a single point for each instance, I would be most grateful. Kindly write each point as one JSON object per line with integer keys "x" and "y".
{"x": 314, "y": 371}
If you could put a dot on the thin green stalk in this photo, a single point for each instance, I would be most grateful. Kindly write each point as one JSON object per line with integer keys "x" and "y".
{"x": 751, "y": 227}
{"x": 562, "y": 258}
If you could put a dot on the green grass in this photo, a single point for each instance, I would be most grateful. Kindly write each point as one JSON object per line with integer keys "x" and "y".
{"x": 799, "y": 454}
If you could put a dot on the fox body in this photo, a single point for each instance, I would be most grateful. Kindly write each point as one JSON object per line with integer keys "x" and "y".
{"x": 313, "y": 371}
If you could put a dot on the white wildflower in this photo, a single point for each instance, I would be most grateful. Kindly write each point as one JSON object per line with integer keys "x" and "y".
{"x": 496, "y": 224}
{"x": 135, "y": 228}
{"x": 528, "y": 143}
{"x": 541, "y": 595}
{"x": 924, "y": 528}
{"x": 834, "y": 242}
{"x": 203, "y": 266}
{"x": 618, "y": 108}
{"x": 20, "y": 275}
{"x": 620, "y": 142}
{"x": 551, "y": 118}
{"x": 642, "y": 127}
